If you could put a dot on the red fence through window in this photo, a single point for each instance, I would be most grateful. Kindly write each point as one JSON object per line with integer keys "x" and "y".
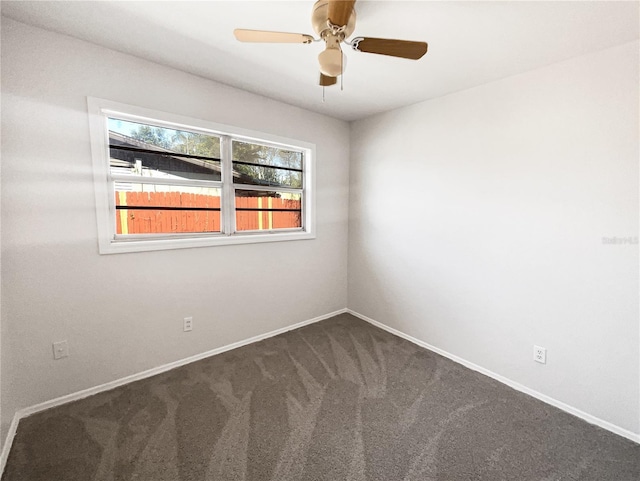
{"x": 176, "y": 220}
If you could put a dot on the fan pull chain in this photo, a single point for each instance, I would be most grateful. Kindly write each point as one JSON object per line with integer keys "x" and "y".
{"x": 341, "y": 70}
{"x": 323, "y": 94}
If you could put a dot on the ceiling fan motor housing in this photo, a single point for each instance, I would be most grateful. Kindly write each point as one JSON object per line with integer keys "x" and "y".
{"x": 321, "y": 24}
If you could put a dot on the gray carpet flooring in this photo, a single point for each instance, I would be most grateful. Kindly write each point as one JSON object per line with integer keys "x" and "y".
{"x": 336, "y": 400}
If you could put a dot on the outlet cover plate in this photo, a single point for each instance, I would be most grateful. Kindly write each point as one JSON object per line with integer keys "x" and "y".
{"x": 540, "y": 354}
{"x": 60, "y": 349}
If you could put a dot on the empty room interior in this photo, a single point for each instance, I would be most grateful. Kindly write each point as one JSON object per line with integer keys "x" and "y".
{"x": 342, "y": 240}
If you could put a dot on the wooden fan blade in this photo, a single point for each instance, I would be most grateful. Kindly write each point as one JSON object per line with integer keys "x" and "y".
{"x": 391, "y": 47}
{"x": 340, "y": 11}
{"x": 326, "y": 81}
{"x": 263, "y": 36}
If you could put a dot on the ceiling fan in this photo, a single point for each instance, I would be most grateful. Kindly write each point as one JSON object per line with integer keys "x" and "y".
{"x": 334, "y": 21}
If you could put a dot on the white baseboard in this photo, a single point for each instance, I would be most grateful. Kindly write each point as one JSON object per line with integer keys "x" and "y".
{"x": 22, "y": 413}
{"x": 6, "y": 447}
{"x": 517, "y": 386}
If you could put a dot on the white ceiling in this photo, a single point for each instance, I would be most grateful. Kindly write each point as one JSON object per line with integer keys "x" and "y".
{"x": 470, "y": 43}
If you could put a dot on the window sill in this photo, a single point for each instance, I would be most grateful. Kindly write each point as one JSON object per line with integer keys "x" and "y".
{"x": 164, "y": 243}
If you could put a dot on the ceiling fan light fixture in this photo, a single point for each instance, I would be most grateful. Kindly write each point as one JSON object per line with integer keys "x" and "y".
{"x": 331, "y": 62}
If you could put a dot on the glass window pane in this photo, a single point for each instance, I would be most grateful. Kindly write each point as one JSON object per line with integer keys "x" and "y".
{"x": 153, "y": 151}
{"x": 166, "y": 209}
{"x": 259, "y": 175}
{"x": 262, "y": 165}
{"x": 256, "y": 210}
{"x": 264, "y": 155}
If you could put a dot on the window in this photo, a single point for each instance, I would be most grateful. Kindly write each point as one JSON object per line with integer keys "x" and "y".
{"x": 164, "y": 181}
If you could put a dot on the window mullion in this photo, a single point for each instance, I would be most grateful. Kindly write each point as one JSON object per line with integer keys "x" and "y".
{"x": 228, "y": 196}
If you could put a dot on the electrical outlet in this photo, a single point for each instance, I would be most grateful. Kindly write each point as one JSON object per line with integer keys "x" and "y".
{"x": 540, "y": 354}
{"x": 188, "y": 324}
{"x": 60, "y": 349}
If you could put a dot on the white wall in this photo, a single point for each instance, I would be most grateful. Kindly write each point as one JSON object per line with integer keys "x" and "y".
{"x": 123, "y": 313}
{"x": 476, "y": 225}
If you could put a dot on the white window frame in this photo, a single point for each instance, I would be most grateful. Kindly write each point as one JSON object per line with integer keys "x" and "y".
{"x": 110, "y": 243}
